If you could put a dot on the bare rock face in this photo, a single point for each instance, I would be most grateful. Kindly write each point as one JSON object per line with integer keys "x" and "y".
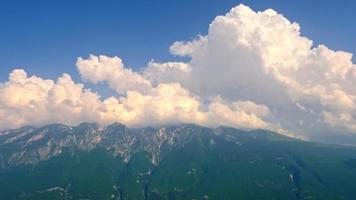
{"x": 30, "y": 145}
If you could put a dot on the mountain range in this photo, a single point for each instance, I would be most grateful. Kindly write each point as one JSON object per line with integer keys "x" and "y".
{"x": 173, "y": 162}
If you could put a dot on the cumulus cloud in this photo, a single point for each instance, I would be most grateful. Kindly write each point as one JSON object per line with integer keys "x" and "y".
{"x": 111, "y": 70}
{"x": 168, "y": 72}
{"x": 261, "y": 56}
{"x": 170, "y": 103}
{"x": 32, "y": 100}
{"x": 252, "y": 70}
{"x": 35, "y": 101}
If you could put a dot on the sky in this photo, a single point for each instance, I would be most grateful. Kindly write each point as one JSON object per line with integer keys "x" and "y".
{"x": 46, "y": 37}
{"x": 276, "y": 65}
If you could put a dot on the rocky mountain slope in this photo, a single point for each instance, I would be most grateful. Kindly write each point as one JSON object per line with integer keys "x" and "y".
{"x": 174, "y": 162}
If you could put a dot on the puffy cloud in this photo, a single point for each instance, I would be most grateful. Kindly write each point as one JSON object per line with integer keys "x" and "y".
{"x": 170, "y": 104}
{"x": 32, "y": 100}
{"x": 166, "y": 104}
{"x": 187, "y": 48}
{"x": 252, "y": 70}
{"x": 164, "y": 101}
{"x": 111, "y": 70}
{"x": 36, "y": 101}
{"x": 242, "y": 114}
{"x": 168, "y": 72}
{"x": 261, "y": 56}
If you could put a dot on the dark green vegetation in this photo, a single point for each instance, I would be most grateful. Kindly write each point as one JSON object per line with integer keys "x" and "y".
{"x": 181, "y": 162}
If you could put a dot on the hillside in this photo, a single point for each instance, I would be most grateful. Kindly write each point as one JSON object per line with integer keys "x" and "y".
{"x": 174, "y": 162}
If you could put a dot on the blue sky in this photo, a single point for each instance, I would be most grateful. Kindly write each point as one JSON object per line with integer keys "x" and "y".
{"x": 46, "y": 37}
{"x": 253, "y": 66}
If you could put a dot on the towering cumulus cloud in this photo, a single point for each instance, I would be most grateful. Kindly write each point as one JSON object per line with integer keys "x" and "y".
{"x": 252, "y": 70}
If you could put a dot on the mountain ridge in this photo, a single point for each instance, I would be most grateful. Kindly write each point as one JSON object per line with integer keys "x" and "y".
{"x": 174, "y": 162}
{"x": 87, "y": 135}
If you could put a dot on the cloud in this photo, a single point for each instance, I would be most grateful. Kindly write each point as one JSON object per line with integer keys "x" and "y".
{"x": 111, "y": 70}
{"x": 35, "y": 101}
{"x": 170, "y": 104}
{"x": 243, "y": 114}
{"x": 32, "y": 100}
{"x": 262, "y": 57}
{"x": 345, "y": 119}
{"x": 251, "y": 70}
{"x": 168, "y": 72}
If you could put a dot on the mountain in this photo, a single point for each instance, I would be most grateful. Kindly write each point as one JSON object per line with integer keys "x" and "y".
{"x": 173, "y": 162}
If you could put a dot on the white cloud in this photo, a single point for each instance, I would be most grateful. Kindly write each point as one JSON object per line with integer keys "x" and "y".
{"x": 168, "y": 72}
{"x": 242, "y": 114}
{"x": 32, "y": 100}
{"x": 187, "y": 48}
{"x": 170, "y": 103}
{"x": 111, "y": 70}
{"x": 261, "y": 56}
{"x": 36, "y": 101}
{"x": 252, "y": 70}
